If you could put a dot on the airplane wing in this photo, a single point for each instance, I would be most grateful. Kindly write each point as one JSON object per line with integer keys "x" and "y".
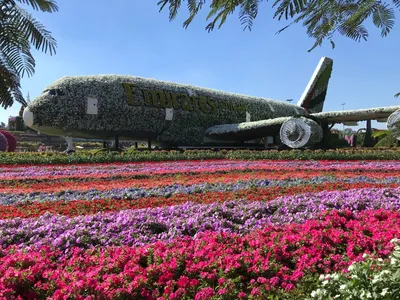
{"x": 380, "y": 114}
{"x": 246, "y": 130}
{"x": 262, "y": 128}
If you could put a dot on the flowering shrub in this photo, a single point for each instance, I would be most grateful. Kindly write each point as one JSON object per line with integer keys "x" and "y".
{"x": 11, "y": 141}
{"x": 213, "y": 229}
{"x": 259, "y": 263}
{"x": 107, "y": 170}
{"x": 373, "y": 278}
{"x": 3, "y": 143}
{"x": 78, "y": 183}
{"x": 143, "y": 226}
{"x": 88, "y": 207}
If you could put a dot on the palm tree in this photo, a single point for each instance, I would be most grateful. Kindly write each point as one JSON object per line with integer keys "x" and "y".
{"x": 321, "y": 18}
{"x": 18, "y": 31}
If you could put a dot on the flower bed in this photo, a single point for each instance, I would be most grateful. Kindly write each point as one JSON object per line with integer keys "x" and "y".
{"x": 213, "y": 229}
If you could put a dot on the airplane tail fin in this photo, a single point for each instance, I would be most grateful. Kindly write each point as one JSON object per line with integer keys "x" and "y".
{"x": 313, "y": 97}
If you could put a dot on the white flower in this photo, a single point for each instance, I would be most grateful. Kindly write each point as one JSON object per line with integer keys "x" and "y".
{"x": 384, "y": 291}
{"x": 335, "y": 276}
{"x": 352, "y": 267}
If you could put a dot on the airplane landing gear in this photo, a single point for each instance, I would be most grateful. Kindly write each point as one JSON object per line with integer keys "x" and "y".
{"x": 70, "y": 145}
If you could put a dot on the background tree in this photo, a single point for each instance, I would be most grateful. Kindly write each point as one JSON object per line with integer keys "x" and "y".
{"x": 321, "y": 18}
{"x": 18, "y": 31}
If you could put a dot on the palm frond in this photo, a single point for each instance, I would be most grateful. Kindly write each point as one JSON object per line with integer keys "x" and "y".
{"x": 194, "y": 7}
{"x": 383, "y": 17}
{"x": 289, "y": 8}
{"x": 15, "y": 51}
{"x": 174, "y": 6}
{"x": 20, "y": 60}
{"x": 210, "y": 26}
{"x": 162, "y": 3}
{"x": 42, "y": 5}
{"x": 397, "y": 95}
{"x": 321, "y": 18}
{"x": 18, "y": 31}
{"x": 248, "y": 12}
{"x": 321, "y": 32}
{"x": 32, "y": 30}
{"x": 221, "y": 9}
{"x": 308, "y": 12}
{"x": 355, "y": 32}
{"x": 9, "y": 87}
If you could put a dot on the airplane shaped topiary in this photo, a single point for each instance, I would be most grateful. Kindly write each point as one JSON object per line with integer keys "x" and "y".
{"x": 179, "y": 115}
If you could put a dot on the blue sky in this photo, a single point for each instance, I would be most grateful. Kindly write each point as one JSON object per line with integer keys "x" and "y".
{"x": 134, "y": 38}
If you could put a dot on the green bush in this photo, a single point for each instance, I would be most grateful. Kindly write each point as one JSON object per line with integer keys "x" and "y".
{"x": 369, "y": 279}
{"x": 387, "y": 141}
{"x": 105, "y": 156}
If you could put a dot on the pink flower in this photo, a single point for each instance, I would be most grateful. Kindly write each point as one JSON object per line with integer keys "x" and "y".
{"x": 205, "y": 294}
{"x": 274, "y": 281}
{"x": 255, "y": 291}
{"x": 290, "y": 287}
{"x": 262, "y": 280}
{"x": 183, "y": 281}
{"x": 222, "y": 291}
{"x": 194, "y": 282}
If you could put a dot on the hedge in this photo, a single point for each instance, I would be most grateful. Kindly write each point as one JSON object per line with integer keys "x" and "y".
{"x": 138, "y": 156}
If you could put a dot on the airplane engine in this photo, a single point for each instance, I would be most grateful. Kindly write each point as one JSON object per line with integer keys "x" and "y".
{"x": 393, "y": 123}
{"x": 300, "y": 132}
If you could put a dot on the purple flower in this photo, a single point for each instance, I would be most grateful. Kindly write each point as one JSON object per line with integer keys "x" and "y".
{"x": 143, "y": 226}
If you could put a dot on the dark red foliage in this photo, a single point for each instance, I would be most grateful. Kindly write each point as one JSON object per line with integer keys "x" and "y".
{"x": 3, "y": 143}
{"x": 12, "y": 142}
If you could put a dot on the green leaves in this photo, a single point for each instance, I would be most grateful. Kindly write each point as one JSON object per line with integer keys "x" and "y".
{"x": 42, "y": 5}
{"x": 34, "y": 32}
{"x": 322, "y": 18}
{"x": 219, "y": 11}
{"x": 174, "y": 6}
{"x": 18, "y": 31}
{"x": 9, "y": 87}
{"x": 248, "y": 12}
{"x": 383, "y": 17}
{"x": 194, "y": 7}
{"x": 289, "y": 8}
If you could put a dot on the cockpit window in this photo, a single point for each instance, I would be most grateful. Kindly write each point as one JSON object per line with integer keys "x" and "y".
{"x": 54, "y": 92}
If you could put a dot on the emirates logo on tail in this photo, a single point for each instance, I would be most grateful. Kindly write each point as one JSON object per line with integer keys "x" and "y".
{"x": 315, "y": 93}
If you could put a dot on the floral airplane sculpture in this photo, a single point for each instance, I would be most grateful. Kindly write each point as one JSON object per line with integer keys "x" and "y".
{"x": 179, "y": 115}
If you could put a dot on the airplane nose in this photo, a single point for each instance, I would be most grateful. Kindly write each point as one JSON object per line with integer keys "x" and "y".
{"x": 28, "y": 117}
